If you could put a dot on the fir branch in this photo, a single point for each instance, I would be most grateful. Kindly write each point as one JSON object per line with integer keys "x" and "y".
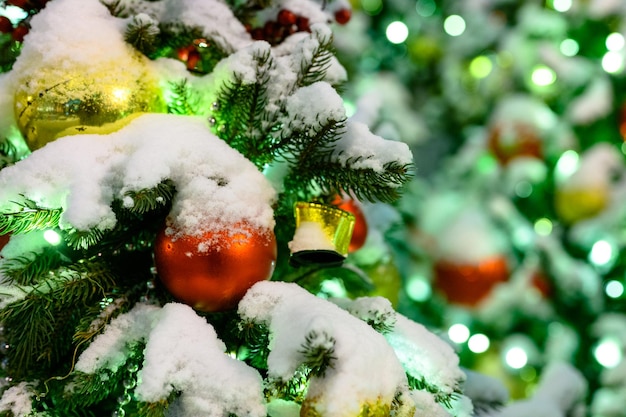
{"x": 28, "y": 218}
{"x": 314, "y": 64}
{"x": 115, "y": 7}
{"x": 158, "y": 408}
{"x": 255, "y": 338}
{"x": 182, "y": 99}
{"x": 83, "y": 239}
{"x": 30, "y": 269}
{"x": 318, "y": 350}
{"x": 40, "y": 326}
{"x": 301, "y": 144}
{"x": 143, "y": 33}
{"x": 150, "y": 199}
{"x": 8, "y": 153}
{"x": 441, "y": 397}
{"x": 240, "y": 114}
{"x": 293, "y": 389}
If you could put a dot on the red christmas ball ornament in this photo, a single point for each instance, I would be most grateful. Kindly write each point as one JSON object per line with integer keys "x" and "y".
{"x": 359, "y": 234}
{"x": 469, "y": 284}
{"x": 342, "y": 16}
{"x": 515, "y": 140}
{"x": 4, "y": 239}
{"x": 217, "y": 278}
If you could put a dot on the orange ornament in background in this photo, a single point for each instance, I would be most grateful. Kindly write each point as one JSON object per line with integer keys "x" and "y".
{"x": 509, "y": 142}
{"x": 359, "y": 234}
{"x": 215, "y": 279}
{"x": 468, "y": 284}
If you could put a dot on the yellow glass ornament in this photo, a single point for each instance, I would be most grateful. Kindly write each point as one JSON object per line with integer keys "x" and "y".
{"x": 310, "y": 408}
{"x": 573, "y": 205}
{"x": 386, "y": 278}
{"x": 66, "y": 100}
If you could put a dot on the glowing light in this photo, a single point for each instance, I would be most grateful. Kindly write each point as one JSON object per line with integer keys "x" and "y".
{"x": 332, "y": 288}
{"x": 425, "y": 8}
{"x": 372, "y": 7}
{"x": 478, "y": 343}
{"x": 418, "y": 289}
{"x": 566, "y": 165}
{"x": 523, "y": 189}
{"x": 543, "y": 227}
{"x": 397, "y": 32}
{"x": 601, "y": 253}
{"x": 120, "y": 95}
{"x": 480, "y": 67}
{"x": 608, "y": 353}
{"x": 569, "y": 47}
{"x": 614, "y": 289}
{"x": 516, "y": 358}
{"x": 14, "y": 13}
{"x": 458, "y": 333}
{"x": 612, "y": 62}
{"x": 454, "y": 25}
{"x": 543, "y": 76}
{"x": 615, "y": 42}
{"x": 52, "y": 237}
{"x": 562, "y": 5}
{"x": 350, "y": 108}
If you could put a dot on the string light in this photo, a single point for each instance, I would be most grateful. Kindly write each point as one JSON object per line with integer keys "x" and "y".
{"x": 615, "y": 42}
{"x": 397, "y": 32}
{"x": 543, "y": 227}
{"x": 454, "y": 25}
{"x": 614, "y": 289}
{"x": 562, "y": 5}
{"x": 601, "y": 253}
{"x": 480, "y": 67}
{"x": 566, "y": 165}
{"x": 52, "y": 237}
{"x": 569, "y": 47}
{"x": 608, "y": 353}
{"x": 458, "y": 333}
{"x": 543, "y": 76}
{"x": 418, "y": 289}
{"x": 478, "y": 343}
{"x": 612, "y": 62}
{"x": 516, "y": 357}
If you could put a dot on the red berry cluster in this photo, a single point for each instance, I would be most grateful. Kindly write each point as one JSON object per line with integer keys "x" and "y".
{"x": 286, "y": 23}
{"x": 20, "y": 30}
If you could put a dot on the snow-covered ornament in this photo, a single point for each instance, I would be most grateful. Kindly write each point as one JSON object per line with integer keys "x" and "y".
{"x": 213, "y": 272}
{"x": 77, "y": 89}
{"x": 470, "y": 258}
{"x": 592, "y": 187}
{"x": 520, "y": 127}
{"x": 322, "y": 236}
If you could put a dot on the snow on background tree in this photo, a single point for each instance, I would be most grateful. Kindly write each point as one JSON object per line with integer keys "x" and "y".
{"x": 514, "y": 112}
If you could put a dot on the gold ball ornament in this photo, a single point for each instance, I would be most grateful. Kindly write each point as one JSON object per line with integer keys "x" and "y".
{"x": 69, "y": 100}
{"x": 576, "y": 204}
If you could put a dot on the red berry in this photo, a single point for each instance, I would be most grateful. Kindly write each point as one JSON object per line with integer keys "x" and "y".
{"x": 271, "y": 30}
{"x": 5, "y": 25}
{"x": 19, "y": 32}
{"x": 257, "y": 34}
{"x": 17, "y": 3}
{"x": 342, "y": 16}
{"x": 303, "y": 24}
{"x": 286, "y": 17}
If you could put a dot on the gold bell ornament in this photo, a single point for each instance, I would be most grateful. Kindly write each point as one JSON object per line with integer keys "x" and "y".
{"x": 84, "y": 87}
{"x": 322, "y": 236}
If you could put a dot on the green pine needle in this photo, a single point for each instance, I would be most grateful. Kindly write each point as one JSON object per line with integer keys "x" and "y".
{"x": 313, "y": 67}
{"x": 151, "y": 199}
{"x": 29, "y": 217}
{"x": 28, "y": 270}
{"x": 318, "y": 350}
{"x": 143, "y": 34}
{"x": 182, "y": 99}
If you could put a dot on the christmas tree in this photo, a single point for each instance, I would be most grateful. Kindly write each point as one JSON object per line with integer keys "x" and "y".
{"x": 170, "y": 192}
{"x": 511, "y": 235}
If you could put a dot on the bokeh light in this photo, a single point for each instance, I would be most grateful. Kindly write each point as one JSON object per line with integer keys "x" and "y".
{"x": 397, "y": 32}
{"x": 454, "y": 25}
